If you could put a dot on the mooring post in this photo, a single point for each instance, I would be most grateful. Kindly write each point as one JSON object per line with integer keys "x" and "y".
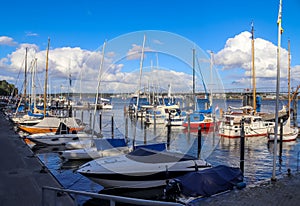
{"x": 91, "y": 120}
{"x": 145, "y": 134}
{"x": 126, "y": 127}
{"x": 81, "y": 116}
{"x": 189, "y": 122}
{"x": 154, "y": 115}
{"x": 100, "y": 122}
{"x": 169, "y": 131}
{"x": 295, "y": 109}
{"x": 199, "y": 142}
{"x": 112, "y": 126}
{"x": 242, "y": 149}
{"x": 280, "y": 140}
{"x": 70, "y": 111}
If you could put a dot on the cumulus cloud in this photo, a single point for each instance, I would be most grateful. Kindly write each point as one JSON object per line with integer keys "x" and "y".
{"x": 136, "y": 51}
{"x": 156, "y": 41}
{"x": 8, "y": 41}
{"x": 237, "y": 54}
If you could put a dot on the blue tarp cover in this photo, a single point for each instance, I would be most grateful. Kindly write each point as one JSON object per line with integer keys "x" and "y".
{"x": 210, "y": 181}
{"x": 107, "y": 143}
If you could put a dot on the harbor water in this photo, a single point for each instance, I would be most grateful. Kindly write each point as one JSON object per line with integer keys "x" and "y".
{"x": 216, "y": 150}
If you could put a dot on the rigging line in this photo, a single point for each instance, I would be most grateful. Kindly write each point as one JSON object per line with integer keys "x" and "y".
{"x": 201, "y": 76}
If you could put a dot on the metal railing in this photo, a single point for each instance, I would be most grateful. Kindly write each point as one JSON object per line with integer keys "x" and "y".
{"x": 111, "y": 198}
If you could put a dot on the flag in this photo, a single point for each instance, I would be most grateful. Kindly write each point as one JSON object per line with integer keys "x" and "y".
{"x": 279, "y": 16}
{"x": 216, "y": 108}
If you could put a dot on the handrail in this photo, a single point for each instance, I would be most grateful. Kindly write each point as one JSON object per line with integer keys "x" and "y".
{"x": 113, "y": 199}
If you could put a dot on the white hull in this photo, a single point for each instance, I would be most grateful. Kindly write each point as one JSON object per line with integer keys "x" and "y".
{"x": 253, "y": 126}
{"x": 92, "y": 153}
{"x": 53, "y": 139}
{"x": 85, "y": 143}
{"x": 129, "y": 184}
{"x": 290, "y": 134}
{"x": 139, "y": 171}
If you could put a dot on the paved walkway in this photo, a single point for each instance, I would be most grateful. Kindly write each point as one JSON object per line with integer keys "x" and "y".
{"x": 284, "y": 191}
{"x": 21, "y": 173}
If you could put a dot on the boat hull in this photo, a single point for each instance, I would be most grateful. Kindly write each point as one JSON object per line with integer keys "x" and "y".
{"x": 196, "y": 125}
{"x": 127, "y": 171}
{"x": 35, "y": 130}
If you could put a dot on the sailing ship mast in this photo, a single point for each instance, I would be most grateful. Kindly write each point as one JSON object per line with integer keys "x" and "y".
{"x": 277, "y": 90}
{"x": 194, "y": 93}
{"x": 25, "y": 77}
{"x": 211, "y": 79}
{"x": 98, "y": 87}
{"x": 46, "y": 79}
{"x": 253, "y": 71}
{"x": 289, "y": 79}
{"x": 141, "y": 70}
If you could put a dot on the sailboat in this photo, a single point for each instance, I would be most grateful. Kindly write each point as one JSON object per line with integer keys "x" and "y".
{"x": 289, "y": 133}
{"x": 50, "y": 124}
{"x": 254, "y": 125}
{"x": 200, "y": 118}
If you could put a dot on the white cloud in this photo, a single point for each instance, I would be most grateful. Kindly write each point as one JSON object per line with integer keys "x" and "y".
{"x": 29, "y": 33}
{"x": 237, "y": 54}
{"x": 156, "y": 41}
{"x": 8, "y": 41}
{"x": 136, "y": 51}
{"x": 7, "y": 78}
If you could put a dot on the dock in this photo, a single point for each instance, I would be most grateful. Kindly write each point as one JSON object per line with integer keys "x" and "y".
{"x": 22, "y": 174}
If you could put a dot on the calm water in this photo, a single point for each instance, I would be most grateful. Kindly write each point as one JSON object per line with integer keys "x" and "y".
{"x": 216, "y": 150}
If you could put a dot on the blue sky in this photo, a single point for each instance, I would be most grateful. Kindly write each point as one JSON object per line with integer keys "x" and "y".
{"x": 85, "y": 25}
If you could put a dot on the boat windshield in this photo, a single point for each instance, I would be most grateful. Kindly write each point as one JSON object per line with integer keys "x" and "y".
{"x": 152, "y": 156}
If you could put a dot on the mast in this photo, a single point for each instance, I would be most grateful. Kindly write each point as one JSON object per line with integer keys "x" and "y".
{"x": 211, "y": 81}
{"x": 194, "y": 93}
{"x": 46, "y": 79}
{"x": 141, "y": 70}
{"x": 25, "y": 79}
{"x": 289, "y": 79}
{"x": 98, "y": 87}
{"x": 253, "y": 71}
{"x": 277, "y": 91}
{"x": 34, "y": 69}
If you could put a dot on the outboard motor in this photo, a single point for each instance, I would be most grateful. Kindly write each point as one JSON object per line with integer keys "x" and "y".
{"x": 172, "y": 190}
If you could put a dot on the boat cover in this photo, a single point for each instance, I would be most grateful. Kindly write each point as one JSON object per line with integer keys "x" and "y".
{"x": 146, "y": 155}
{"x": 109, "y": 143}
{"x": 210, "y": 181}
{"x": 157, "y": 146}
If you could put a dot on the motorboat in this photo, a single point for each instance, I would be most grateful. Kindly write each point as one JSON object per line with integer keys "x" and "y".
{"x": 254, "y": 126}
{"x": 202, "y": 118}
{"x": 52, "y": 138}
{"x": 141, "y": 168}
{"x": 62, "y": 136}
{"x": 100, "y": 148}
{"x": 163, "y": 114}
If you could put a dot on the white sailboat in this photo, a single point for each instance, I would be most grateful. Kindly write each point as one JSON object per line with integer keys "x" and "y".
{"x": 289, "y": 133}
